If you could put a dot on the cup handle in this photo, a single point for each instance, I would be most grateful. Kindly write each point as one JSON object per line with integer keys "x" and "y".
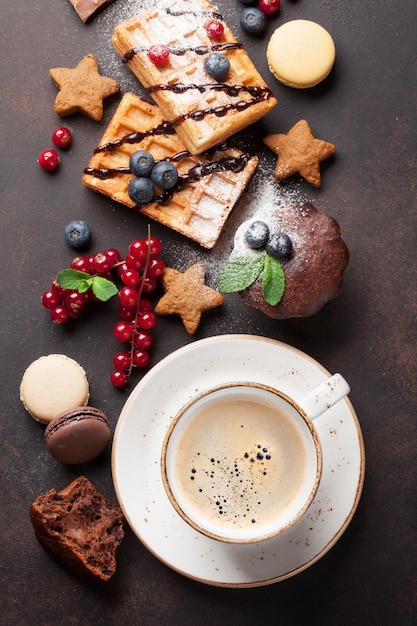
{"x": 324, "y": 396}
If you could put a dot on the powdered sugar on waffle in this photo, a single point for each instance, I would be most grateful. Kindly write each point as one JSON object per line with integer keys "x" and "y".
{"x": 262, "y": 194}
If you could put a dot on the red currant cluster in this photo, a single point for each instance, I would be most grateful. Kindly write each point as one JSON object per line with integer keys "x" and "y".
{"x": 139, "y": 273}
{"x": 49, "y": 159}
{"x": 65, "y": 303}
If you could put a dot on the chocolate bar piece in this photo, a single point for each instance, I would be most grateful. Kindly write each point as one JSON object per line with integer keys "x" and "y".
{"x": 87, "y": 8}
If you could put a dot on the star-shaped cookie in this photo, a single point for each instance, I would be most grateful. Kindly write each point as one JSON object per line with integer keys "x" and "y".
{"x": 82, "y": 89}
{"x": 299, "y": 151}
{"x": 187, "y": 295}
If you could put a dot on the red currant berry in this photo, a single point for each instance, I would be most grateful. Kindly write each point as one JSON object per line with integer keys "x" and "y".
{"x": 134, "y": 264}
{"x": 141, "y": 358}
{"x": 82, "y": 264}
{"x": 146, "y": 320}
{"x": 62, "y": 137}
{"x": 149, "y": 284}
{"x": 130, "y": 277}
{"x": 92, "y": 296}
{"x": 60, "y": 315}
{"x": 128, "y": 297}
{"x": 57, "y": 289}
{"x": 122, "y": 268}
{"x": 145, "y": 305}
{"x": 143, "y": 340}
{"x": 50, "y": 299}
{"x": 269, "y": 6}
{"x": 49, "y": 159}
{"x": 121, "y": 361}
{"x": 138, "y": 249}
{"x": 102, "y": 263}
{"x": 114, "y": 254}
{"x": 155, "y": 246}
{"x": 158, "y": 54}
{"x": 214, "y": 29}
{"x": 118, "y": 378}
{"x": 126, "y": 314}
{"x": 123, "y": 330}
{"x": 75, "y": 302}
{"x": 156, "y": 268}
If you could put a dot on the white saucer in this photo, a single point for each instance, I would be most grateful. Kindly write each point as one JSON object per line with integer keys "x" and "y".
{"x": 137, "y": 476}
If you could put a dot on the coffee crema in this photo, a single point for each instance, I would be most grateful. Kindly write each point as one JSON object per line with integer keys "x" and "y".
{"x": 239, "y": 464}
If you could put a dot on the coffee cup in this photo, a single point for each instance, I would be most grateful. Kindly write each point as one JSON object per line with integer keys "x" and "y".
{"x": 241, "y": 462}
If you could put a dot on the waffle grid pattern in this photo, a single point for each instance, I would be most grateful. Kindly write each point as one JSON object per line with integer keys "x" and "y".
{"x": 185, "y": 32}
{"x": 200, "y": 209}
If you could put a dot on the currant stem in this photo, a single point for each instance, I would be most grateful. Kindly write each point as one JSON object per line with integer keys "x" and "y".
{"x": 140, "y": 290}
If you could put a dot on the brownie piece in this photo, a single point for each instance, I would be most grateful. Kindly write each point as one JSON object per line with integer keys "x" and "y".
{"x": 80, "y": 528}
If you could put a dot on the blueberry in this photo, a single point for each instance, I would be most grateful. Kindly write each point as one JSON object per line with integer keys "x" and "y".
{"x": 164, "y": 175}
{"x": 279, "y": 245}
{"x": 257, "y": 234}
{"x": 253, "y": 20}
{"x": 141, "y": 163}
{"x": 77, "y": 233}
{"x": 141, "y": 190}
{"x": 217, "y": 65}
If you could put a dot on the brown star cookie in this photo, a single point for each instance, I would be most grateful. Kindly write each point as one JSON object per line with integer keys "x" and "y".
{"x": 299, "y": 151}
{"x": 187, "y": 295}
{"x": 82, "y": 89}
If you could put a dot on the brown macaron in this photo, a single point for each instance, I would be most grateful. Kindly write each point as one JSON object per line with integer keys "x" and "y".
{"x": 78, "y": 435}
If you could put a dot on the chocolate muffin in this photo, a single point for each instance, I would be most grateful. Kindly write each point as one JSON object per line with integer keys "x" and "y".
{"x": 287, "y": 261}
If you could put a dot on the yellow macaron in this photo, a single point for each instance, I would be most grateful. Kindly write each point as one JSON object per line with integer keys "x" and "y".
{"x": 301, "y": 53}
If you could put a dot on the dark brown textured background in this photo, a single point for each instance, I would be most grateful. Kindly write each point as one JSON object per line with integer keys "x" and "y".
{"x": 367, "y": 107}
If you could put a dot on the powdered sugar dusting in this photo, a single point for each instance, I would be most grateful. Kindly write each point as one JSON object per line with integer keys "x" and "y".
{"x": 262, "y": 194}
{"x": 119, "y": 11}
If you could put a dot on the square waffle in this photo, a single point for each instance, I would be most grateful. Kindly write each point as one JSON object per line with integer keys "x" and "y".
{"x": 203, "y": 111}
{"x": 197, "y": 209}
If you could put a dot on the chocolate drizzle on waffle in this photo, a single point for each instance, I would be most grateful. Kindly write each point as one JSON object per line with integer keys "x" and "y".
{"x": 259, "y": 93}
{"x": 165, "y": 128}
{"x": 222, "y": 110}
{"x": 168, "y": 128}
{"x": 180, "y": 51}
{"x": 210, "y": 183}
{"x": 201, "y": 50}
{"x": 233, "y": 164}
{"x": 189, "y": 97}
{"x": 212, "y": 14}
{"x": 231, "y": 90}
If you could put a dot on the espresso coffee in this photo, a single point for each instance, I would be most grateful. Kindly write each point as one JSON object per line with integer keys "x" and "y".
{"x": 238, "y": 464}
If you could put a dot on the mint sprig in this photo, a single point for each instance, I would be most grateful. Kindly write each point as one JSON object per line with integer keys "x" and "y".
{"x": 102, "y": 288}
{"x": 241, "y": 270}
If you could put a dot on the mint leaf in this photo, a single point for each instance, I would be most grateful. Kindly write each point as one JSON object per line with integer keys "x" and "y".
{"x": 79, "y": 281}
{"x": 273, "y": 280}
{"x": 103, "y": 288}
{"x": 84, "y": 285}
{"x": 240, "y": 271}
{"x": 74, "y": 279}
